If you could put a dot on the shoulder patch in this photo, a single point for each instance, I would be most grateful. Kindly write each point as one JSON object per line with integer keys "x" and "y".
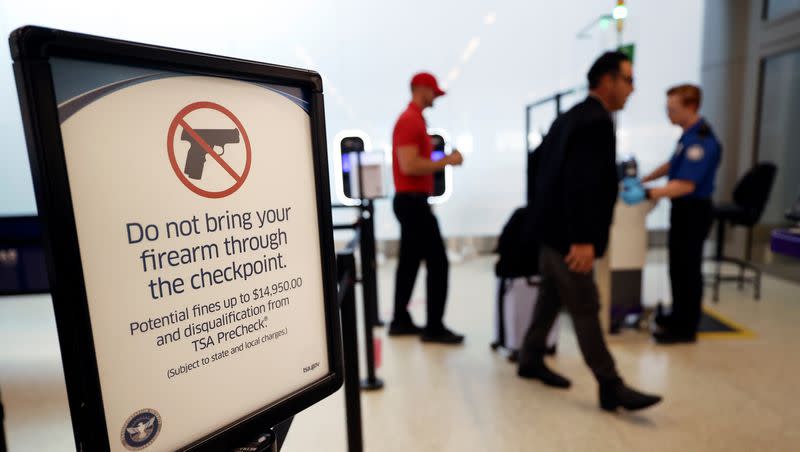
{"x": 695, "y": 152}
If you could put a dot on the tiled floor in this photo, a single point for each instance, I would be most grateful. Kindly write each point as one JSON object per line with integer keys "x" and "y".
{"x": 720, "y": 394}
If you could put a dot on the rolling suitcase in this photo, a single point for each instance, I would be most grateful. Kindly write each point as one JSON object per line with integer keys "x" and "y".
{"x": 517, "y": 286}
{"x": 516, "y": 300}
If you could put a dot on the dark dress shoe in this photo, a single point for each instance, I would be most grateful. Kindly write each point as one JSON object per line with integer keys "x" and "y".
{"x": 539, "y": 371}
{"x": 669, "y": 338}
{"x": 404, "y": 329}
{"x": 662, "y": 321}
{"x": 616, "y": 394}
{"x": 514, "y": 356}
{"x": 661, "y": 318}
{"x": 442, "y": 336}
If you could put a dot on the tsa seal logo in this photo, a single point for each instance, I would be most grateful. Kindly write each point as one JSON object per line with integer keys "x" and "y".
{"x": 141, "y": 429}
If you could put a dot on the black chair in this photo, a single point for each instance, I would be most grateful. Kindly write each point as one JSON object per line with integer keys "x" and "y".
{"x": 749, "y": 200}
{"x": 793, "y": 213}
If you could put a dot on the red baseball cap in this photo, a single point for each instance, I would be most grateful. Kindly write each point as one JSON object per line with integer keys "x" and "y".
{"x": 427, "y": 79}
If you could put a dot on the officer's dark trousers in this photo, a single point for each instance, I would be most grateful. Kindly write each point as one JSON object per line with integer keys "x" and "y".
{"x": 420, "y": 240}
{"x": 578, "y": 293}
{"x": 690, "y": 223}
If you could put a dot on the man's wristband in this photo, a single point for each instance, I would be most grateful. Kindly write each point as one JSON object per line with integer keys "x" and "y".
{"x": 647, "y": 194}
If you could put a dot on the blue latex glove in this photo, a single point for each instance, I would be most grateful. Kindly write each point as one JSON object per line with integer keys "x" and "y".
{"x": 632, "y": 191}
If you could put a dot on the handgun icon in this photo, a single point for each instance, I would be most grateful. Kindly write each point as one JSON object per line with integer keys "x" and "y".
{"x": 196, "y": 158}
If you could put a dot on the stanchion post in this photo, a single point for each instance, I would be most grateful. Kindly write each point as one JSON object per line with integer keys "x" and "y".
{"x": 346, "y": 270}
{"x": 369, "y": 291}
{"x": 369, "y": 266}
{"x": 2, "y": 427}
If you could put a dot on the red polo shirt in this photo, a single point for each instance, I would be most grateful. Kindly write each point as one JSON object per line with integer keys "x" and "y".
{"x": 409, "y": 130}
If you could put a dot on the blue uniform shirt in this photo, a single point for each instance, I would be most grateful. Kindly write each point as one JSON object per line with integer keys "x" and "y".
{"x": 696, "y": 159}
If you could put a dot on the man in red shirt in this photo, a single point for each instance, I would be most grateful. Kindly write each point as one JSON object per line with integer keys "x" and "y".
{"x": 420, "y": 238}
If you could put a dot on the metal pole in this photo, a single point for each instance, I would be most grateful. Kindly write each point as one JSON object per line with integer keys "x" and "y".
{"x": 360, "y": 177}
{"x": 528, "y": 128}
{"x": 369, "y": 290}
{"x": 558, "y": 104}
{"x": 2, "y": 427}
{"x": 369, "y": 265}
{"x": 369, "y": 284}
{"x": 528, "y": 156}
{"x": 346, "y": 269}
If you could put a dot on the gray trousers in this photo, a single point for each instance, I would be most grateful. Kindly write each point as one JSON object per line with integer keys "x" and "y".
{"x": 578, "y": 293}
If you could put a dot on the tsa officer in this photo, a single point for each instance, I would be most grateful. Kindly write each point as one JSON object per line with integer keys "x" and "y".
{"x": 691, "y": 171}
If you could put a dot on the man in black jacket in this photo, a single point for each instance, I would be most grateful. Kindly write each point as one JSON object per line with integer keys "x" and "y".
{"x": 574, "y": 192}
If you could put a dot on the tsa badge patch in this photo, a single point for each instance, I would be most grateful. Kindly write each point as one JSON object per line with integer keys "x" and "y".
{"x": 141, "y": 429}
{"x": 695, "y": 152}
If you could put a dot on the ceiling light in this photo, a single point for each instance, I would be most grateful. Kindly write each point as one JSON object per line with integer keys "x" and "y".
{"x": 453, "y": 74}
{"x": 620, "y": 12}
{"x": 470, "y": 50}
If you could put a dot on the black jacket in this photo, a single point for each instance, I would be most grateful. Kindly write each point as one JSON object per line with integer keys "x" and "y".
{"x": 575, "y": 185}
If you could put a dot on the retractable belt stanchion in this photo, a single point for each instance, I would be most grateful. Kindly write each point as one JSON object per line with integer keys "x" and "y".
{"x": 368, "y": 264}
{"x": 369, "y": 290}
{"x": 346, "y": 270}
{"x": 365, "y": 230}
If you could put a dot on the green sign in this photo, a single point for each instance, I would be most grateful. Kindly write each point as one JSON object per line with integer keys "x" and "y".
{"x": 627, "y": 49}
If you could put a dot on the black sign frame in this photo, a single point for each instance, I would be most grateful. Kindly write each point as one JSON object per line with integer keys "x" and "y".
{"x": 31, "y": 50}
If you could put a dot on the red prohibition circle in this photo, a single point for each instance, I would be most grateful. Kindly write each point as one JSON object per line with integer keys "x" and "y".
{"x": 178, "y": 121}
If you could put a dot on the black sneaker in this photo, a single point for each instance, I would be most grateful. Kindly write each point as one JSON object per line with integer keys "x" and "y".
{"x": 404, "y": 329}
{"x": 671, "y": 338}
{"x": 442, "y": 336}
{"x": 617, "y": 395}
{"x": 539, "y": 371}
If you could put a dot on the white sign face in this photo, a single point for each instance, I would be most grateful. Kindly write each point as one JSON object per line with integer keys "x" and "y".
{"x": 197, "y": 225}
